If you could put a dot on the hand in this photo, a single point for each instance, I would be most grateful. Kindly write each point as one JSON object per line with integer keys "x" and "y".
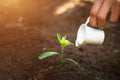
{"x": 100, "y": 10}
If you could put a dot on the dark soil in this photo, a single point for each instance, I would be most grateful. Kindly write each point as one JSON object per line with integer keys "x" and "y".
{"x": 29, "y": 29}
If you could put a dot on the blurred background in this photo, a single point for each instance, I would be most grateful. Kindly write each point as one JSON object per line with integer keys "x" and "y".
{"x": 29, "y": 12}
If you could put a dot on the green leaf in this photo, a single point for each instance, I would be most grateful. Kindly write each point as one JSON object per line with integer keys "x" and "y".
{"x": 64, "y": 37}
{"x": 73, "y": 61}
{"x": 68, "y": 42}
{"x": 59, "y": 37}
{"x": 65, "y": 43}
{"x": 47, "y": 54}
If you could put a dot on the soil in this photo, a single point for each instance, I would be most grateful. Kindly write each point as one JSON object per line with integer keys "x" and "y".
{"x": 29, "y": 29}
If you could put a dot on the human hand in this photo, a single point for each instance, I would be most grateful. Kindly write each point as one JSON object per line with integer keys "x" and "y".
{"x": 100, "y": 10}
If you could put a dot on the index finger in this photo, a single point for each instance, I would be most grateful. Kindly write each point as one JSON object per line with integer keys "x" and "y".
{"x": 94, "y": 12}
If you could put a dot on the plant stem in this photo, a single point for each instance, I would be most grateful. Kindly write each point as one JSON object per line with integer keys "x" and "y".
{"x": 62, "y": 56}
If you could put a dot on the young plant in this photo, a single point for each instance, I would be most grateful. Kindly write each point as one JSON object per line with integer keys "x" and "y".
{"x": 64, "y": 43}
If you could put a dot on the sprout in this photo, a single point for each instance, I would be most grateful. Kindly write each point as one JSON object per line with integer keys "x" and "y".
{"x": 63, "y": 43}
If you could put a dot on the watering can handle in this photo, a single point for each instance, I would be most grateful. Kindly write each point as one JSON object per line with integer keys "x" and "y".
{"x": 87, "y": 21}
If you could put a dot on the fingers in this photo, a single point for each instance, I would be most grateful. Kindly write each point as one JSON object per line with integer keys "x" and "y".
{"x": 102, "y": 14}
{"x": 94, "y": 12}
{"x": 100, "y": 10}
{"x": 115, "y": 11}
{"x": 118, "y": 1}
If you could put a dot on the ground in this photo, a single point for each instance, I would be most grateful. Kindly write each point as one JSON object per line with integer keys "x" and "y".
{"x": 30, "y": 29}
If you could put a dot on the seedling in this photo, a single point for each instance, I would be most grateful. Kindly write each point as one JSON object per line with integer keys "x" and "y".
{"x": 64, "y": 43}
